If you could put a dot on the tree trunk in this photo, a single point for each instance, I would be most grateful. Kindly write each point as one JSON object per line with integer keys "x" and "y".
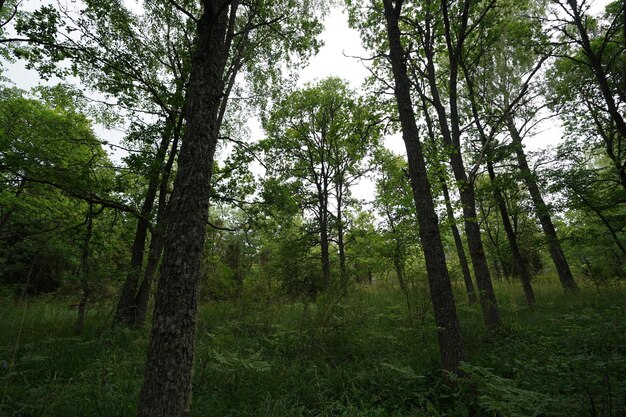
{"x": 125, "y": 311}
{"x": 166, "y": 389}
{"x": 542, "y": 211}
{"x": 451, "y": 135}
{"x": 324, "y": 252}
{"x": 156, "y": 242}
{"x": 451, "y": 346}
{"x": 458, "y": 243}
{"x": 84, "y": 273}
{"x": 518, "y": 261}
{"x": 340, "y": 243}
{"x": 460, "y": 250}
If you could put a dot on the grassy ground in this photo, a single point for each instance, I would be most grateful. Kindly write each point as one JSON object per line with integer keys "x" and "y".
{"x": 359, "y": 356}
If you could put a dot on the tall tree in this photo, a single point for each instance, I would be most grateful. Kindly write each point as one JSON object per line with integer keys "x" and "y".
{"x": 456, "y": 22}
{"x": 451, "y": 346}
{"x": 593, "y": 58}
{"x": 317, "y": 141}
{"x": 166, "y": 390}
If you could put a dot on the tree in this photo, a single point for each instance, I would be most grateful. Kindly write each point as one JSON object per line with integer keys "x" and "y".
{"x": 317, "y": 141}
{"x": 54, "y": 169}
{"x": 592, "y": 64}
{"x": 141, "y": 64}
{"x": 451, "y": 345}
{"x": 166, "y": 389}
{"x": 394, "y": 202}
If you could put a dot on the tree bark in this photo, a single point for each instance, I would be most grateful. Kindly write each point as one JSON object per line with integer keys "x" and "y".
{"x": 166, "y": 389}
{"x": 518, "y": 261}
{"x": 451, "y": 346}
{"x": 156, "y": 242}
{"x": 458, "y": 243}
{"x": 451, "y": 134}
{"x": 520, "y": 266}
{"x": 542, "y": 211}
{"x": 460, "y": 250}
{"x": 125, "y": 310}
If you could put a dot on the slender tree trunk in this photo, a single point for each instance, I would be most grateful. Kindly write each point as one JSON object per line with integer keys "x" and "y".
{"x": 451, "y": 346}
{"x": 595, "y": 62}
{"x": 340, "y": 243}
{"x": 156, "y": 242}
{"x": 84, "y": 273}
{"x": 125, "y": 311}
{"x": 324, "y": 252}
{"x": 451, "y": 135}
{"x": 460, "y": 250}
{"x": 166, "y": 389}
{"x": 458, "y": 243}
{"x": 518, "y": 261}
{"x": 542, "y": 211}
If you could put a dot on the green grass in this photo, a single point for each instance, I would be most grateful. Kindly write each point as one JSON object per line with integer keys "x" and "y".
{"x": 359, "y": 356}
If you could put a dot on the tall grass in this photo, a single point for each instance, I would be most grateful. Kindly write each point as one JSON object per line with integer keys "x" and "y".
{"x": 355, "y": 356}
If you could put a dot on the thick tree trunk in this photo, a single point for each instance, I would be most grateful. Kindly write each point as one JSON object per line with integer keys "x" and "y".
{"x": 125, "y": 311}
{"x": 166, "y": 389}
{"x": 542, "y": 211}
{"x": 450, "y": 340}
{"x": 520, "y": 266}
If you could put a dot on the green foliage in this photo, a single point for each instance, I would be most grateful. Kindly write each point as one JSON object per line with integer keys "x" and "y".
{"x": 352, "y": 357}
{"x": 51, "y": 163}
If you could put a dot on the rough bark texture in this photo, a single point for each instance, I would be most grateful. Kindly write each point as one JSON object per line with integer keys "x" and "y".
{"x": 543, "y": 213}
{"x": 520, "y": 266}
{"x": 166, "y": 389}
{"x": 450, "y": 340}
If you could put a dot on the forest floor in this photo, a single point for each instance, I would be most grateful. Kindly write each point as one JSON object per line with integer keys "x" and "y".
{"x": 354, "y": 356}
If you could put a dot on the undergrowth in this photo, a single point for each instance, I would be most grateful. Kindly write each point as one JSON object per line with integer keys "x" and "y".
{"x": 355, "y": 356}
